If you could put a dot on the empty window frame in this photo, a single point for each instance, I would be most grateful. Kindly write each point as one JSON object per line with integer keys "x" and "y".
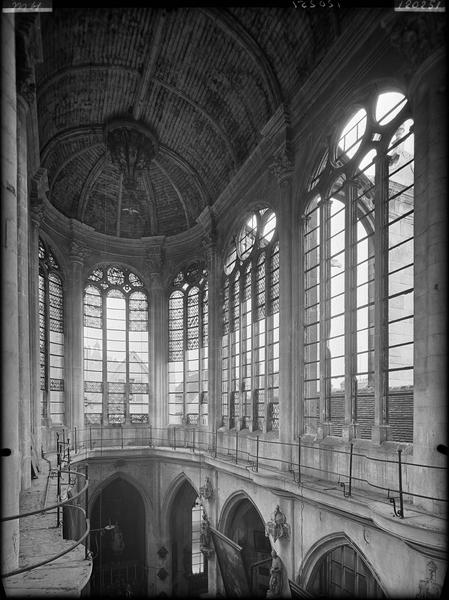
{"x": 250, "y": 340}
{"x": 116, "y": 360}
{"x": 51, "y": 337}
{"x": 358, "y": 276}
{"x": 188, "y": 347}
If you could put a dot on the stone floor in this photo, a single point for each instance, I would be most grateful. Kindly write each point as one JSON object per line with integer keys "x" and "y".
{"x": 40, "y": 538}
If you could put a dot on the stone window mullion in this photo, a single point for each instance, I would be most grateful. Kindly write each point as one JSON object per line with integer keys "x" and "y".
{"x": 324, "y": 314}
{"x": 381, "y": 293}
{"x": 105, "y": 419}
{"x": 350, "y": 309}
{"x": 127, "y": 382}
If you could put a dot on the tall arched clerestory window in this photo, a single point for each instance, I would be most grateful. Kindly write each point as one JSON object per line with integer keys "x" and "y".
{"x": 250, "y": 341}
{"x": 51, "y": 337}
{"x": 342, "y": 572}
{"x": 358, "y": 276}
{"x": 187, "y": 347}
{"x": 116, "y": 361}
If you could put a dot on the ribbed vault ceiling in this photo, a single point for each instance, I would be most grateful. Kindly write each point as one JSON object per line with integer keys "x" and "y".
{"x": 204, "y": 80}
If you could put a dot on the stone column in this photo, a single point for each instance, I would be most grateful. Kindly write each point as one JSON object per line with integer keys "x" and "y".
{"x": 349, "y": 427}
{"x": 24, "y": 324}
{"x": 158, "y": 341}
{"x": 282, "y": 168}
{"x": 214, "y": 341}
{"x": 420, "y": 38}
{"x": 9, "y": 295}
{"x": 39, "y": 187}
{"x": 429, "y": 107}
{"x": 74, "y": 372}
{"x": 380, "y": 430}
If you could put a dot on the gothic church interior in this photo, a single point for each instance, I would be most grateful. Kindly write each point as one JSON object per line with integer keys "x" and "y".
{"x": 224, "y": 301}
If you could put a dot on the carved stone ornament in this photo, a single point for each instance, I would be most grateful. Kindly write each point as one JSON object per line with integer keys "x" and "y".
{"x": 39, "y": 185}
{"x": 209, "y": 245}
{"x": 162, "y": 552}
{"x": 277, "y": 527}
{"x": 416, "y": 35}
{"x": 38, "y": 195}
{"x": 28, "y": 52}
{"x": 27, "y": 89}
{"x": 37, "y": 212}
{"x": 78, "y": 251}
{"x": 155, "y": 258}
{"x": 132, "y": 147}
{"x": 428, "y": 588}
{"x": 206, "y": 546}
{"x": 282, "y": 165}
{"x": 206, "y": 490}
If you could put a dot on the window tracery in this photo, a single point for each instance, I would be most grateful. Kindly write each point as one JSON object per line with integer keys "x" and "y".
{"x": 358, "y": 275}
{"x": 250, "y": 340}
{"x": 51, "y": 336}
{"x": 116, "y": 361}
{"x": 188, "y": 347}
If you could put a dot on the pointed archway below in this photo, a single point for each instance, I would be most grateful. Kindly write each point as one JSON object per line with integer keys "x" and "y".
{"x": 118, "y": 540}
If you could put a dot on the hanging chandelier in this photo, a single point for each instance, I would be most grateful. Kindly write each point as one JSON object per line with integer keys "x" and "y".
{"x": 132, "y": 146}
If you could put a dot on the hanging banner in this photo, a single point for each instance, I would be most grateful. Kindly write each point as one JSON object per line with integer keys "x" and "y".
{"x": 232, "y": 567}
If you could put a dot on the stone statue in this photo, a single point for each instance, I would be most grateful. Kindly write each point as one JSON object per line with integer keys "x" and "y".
{"x": 429, "y": 588}
{"x": 275, "y": 584}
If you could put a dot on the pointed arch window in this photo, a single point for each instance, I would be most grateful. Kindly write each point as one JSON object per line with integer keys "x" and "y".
{"x": 51, "y": 337}
{"x": 187, "y": 347}
{"x": 198, "y": 559}
{"x": 116, "y": 360}
{"x": 342, "y": 572}
{"x": 250, "y": 341}
{"x": 358, "y": 277}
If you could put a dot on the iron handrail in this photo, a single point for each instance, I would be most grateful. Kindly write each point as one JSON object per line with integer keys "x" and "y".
{"x": 53, "y": 558}
{"x": 47, "y": 508}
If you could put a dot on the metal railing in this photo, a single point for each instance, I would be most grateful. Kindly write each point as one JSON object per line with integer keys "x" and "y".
{"x": 302, "y": 462}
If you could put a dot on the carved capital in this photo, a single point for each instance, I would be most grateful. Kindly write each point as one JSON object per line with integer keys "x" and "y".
{"x": 78, "y": 252}
{"x": 39, "y": 185}
{"x": 37, "y": 212}
{"x": 206, "y": 490}
{"x": 156, "y": 280}
{"x": 209, "y": 245}
{"x": 282, "y": 165}
{"x": 416, "y": 35}
{"x": 28, "y": 53}
{"x": 155, "y": 260}
{"x": 27, "y": 89}
{"x": 38, "y": 195}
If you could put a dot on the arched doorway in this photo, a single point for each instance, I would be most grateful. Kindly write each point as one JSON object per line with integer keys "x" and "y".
{"x": 117, "y": 541}
{"x": 246, "y": 527}
{"x": 342, "y": 572}
{"x": 189, "y": 565}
